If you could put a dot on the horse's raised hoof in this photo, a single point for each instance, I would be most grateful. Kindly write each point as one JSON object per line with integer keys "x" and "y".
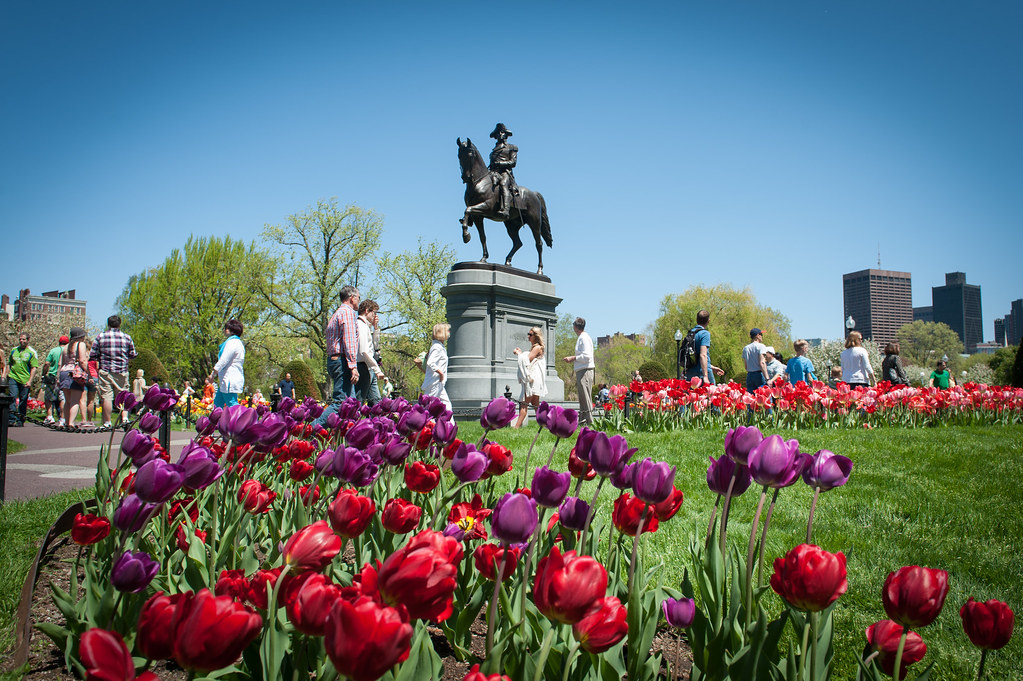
{"x": 466, "y": 237}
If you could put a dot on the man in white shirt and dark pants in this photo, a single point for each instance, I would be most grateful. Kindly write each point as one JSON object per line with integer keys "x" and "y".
{"x": 582, "y": 360}
{"x": 755, "y": 359}
{"x": 367, "y": 389}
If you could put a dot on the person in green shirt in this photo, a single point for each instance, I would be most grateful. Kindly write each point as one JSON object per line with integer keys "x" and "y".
{"x": 51, "y": 369}
{"x": 22, "y": 362}
{"x": 941, "y": 377}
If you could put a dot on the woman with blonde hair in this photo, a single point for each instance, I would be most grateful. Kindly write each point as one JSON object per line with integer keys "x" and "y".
{"x": 435, "y": 365}
{"x": 532, "y": 370}
{"x": 138, "y": 386}
{"x": 856, "y": 370}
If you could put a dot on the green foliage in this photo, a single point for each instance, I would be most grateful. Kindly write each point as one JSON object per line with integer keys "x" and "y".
{"x": 1001, "y": 363}
{"x": 178, "y": 308}
{"x": 653, "y": 370}
{"x": 302, "y": 376}
{"x": 564, "y": 346}
{"x": 733, "y": 313}
{"x": 411, "y": 283}
{"x": 618, "y": 359}
{"x": 1016, "y": 378}
{"x": 829, "y": 354}
{"x": 398, "y": 353}
{"x": 152, "y": 367}
{"x": 924, "y": 343}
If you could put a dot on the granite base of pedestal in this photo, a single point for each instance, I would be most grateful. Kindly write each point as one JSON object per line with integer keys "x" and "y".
{"x": 490, "y": 309}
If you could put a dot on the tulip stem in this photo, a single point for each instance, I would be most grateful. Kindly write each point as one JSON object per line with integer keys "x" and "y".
{"x": 983, "y": 658}
{"x": 727, "y": 506}
{"x": 492, "y": 615}
{"x": 525, "y": 468}
{"x": 569, "y": 661}
{"x": 550, "y": 458}
{"x": 806, "y": 646}
{"x": 813, "y": 507}
{"x": 635, "y": 545}
{"x": 750, "y": 554}
{"x": 713, "y": 517}
{"x": 443, "y": 502}
{"x": 525, "y": 573}
{"x": 763, "y": 537}
{"x": 589, "y": 515}
{"x": 898, "y": 654}
{"x": 814, "y": 626}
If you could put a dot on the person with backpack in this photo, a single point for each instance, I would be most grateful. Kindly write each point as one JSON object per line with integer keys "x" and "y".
{"x": 694, "y": 352}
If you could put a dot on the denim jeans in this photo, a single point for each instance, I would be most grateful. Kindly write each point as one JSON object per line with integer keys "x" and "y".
{"x": 366, "y": 390}
{"x": 754, "y": 379}
{"x": 341, "y": 377}
{"x": 19, "y": 392}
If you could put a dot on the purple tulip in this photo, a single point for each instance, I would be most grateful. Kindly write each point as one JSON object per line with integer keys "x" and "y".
{"x": 541, "y": 414}
{"x": 286, "y": 405}
{"x": 573, "y": 512}
{"x": 445, "y": 431}
{"x": 498, "y": 414}
{"x": 453, "y": 530}
{"x": 200, "y": 467}
{"x": 125, "y": 401}
{"x": 361, "y": 435}
{"x": 433, "y": 405}
{"x": 654, "y": 481}
{"x": 413, "y": 420}
{"x": 215, "y": 415}
{"x": 679, "y": 612}
{"x": 719, "y": 476}
{"x": 133, "y": 571}
{"x": 324, "y": 463}
{"x": 468, "y": 464}
{"x": 313, "y": 411}
{"x": 237, "y": 423}
{"x": 740, "y": 442}
{"x": 333, "y": 421}
{"x": 624, "y": 478}
{"x": 562, "y": 422}
{"x": 273, "y": 432}
{"x": 584, "y": 442}
{"x": 608, "y": 455}
{"x": 132, "y": 514}
{"x": 776, "y": 463}
{"x": 159, "y": 399}
{"x": 299, "y": 414}
{"x": 204, "y": 426}
{"x": 827, "y": 470}
{"x": 514, "y": 518}
{"x": 549, "y": 487}
{"x": 138, "y": 447}
{"x": 149, "y": 423}
{"x": 349, "y": 409}
{"x": 354, "y": 466}
{"x": 157, "y": 481}
{"x": 396, "y": 450}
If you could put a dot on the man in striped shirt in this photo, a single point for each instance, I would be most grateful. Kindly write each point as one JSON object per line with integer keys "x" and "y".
{"x": 342, "y": 351}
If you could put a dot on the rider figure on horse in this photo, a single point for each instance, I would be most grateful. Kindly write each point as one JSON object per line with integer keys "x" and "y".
{"x": 502, "y": 160}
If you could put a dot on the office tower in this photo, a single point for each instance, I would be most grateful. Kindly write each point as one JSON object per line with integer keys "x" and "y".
{"x": 958, "y": 305}
{"x": 879, "y": 301}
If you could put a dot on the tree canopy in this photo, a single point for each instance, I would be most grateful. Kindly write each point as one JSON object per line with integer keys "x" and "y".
{"x": 733, "y": 312}
{"x": 924, "y": 343}
{"x": 618, "y": 359}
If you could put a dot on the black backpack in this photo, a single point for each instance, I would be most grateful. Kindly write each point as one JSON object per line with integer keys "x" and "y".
{"x": 688, "y": 356}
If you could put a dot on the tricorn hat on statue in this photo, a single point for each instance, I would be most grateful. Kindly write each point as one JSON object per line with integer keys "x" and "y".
{"x": 500, "y": 129}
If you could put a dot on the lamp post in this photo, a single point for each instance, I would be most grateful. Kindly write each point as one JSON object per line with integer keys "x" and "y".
{"x": 850, "y": 324}
{"x": 678, "y": 357}
{"x": 944, "y": 358}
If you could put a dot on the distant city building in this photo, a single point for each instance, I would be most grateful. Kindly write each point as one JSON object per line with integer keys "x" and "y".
{"x": 7, "y": 307}
{"x": 1011, "y": 325}
{"x": 637, "y": 338}
{"x": 923, "y": 314}
{"x": 29, "y": 307}
{"x": 815, "y": 342}
{"x": 957, "y": 304}
{"x": 987, "y": 348}
{"x": 879, "y": 301}
{"x": 1000, "y": 332}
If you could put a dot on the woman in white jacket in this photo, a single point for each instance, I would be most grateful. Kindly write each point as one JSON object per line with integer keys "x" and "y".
{"x": 229, "y": 366}
{"x": 531, "y": 369}
{"x": 435, "y": 366}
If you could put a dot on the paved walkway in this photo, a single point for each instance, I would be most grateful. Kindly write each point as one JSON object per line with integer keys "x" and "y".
{"x": 55, "y": 462}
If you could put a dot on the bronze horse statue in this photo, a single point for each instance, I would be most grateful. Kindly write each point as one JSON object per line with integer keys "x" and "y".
{"x": 481, "y": 201}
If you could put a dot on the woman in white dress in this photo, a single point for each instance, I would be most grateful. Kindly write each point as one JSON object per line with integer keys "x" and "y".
{"x": 532, "y": 374}
{"x": 435, "y": 365}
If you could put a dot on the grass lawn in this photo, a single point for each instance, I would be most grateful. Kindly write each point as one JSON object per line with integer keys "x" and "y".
{"x": 940, "y": 497}
{"x": 13, "y": 447}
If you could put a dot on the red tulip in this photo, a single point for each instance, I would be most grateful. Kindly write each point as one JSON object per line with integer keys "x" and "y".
{"x": 307, "y": 496}
{"x": 667, "y": 509}
{"x": 400, "y": 516}
{"x": 232, "y": 583}
{"x": 452, "y": 449}
{"x": 486, "y": 556}
{"x": 627, "y": 513}
{"x": 500, "y": 460}
{"x": 255, "y": 496}
{"x": 566, "y": 587}
{"x": 913, "y": 596}
{"x": 988, "y": 624}
{"x": 258, "y": 593}
{"x": 312, "y": 547}
{"x": 153, "y": 633}
{"x": 182, "y": 538}
{"x": 364, "y": 639}
{"x": 602, "y": 626}
{"x": 350, "y": 514}
{"x": 106, "y": 658}
{"x": 424, "y": 437}
{"x": 884, "y": 637}
{"x": 476, "y": 675}
{"x": 300, "y": 470}
{"x": 308, "y": 602}
{"x": 809, "y": 578}
{"x": 89, "y": 529}
{"x": 579, "y": 468}
{"x": 422, "y": 477}
{"x": 421, "y": 575}
{"x": 210, "y": 632}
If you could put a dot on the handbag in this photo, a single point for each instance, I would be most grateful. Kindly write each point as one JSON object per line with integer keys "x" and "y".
{"x": 72, "y": 365}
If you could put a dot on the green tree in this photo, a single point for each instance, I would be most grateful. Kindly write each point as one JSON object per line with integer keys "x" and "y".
{"x": 1016, "y": 377}
{"x": 302, "y": 377}
{"x": 178, "y": 308}
{"x": 564, "y": 346}
{"x": 410, "y": 284}
{"x": 924, "y": 343}
{"x": 316, "y": 253}
{"x": 1001, "y": 363}
{"x": 733, "y": 312}
{"x": 617, "y": 360}
{"x": 152, "y": 368}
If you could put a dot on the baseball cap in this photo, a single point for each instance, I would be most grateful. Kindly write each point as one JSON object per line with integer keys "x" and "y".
{"x": 755, "y": 332}
{"x": 770, "y": 349}
{"x": 63, "y": 340}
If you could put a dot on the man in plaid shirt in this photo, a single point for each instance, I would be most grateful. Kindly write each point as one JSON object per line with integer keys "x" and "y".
{"x": 111, "y": 350}
{"x": 342, "y": 351}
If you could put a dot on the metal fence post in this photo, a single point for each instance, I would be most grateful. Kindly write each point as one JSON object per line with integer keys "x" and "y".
{"x": 5, "y": 414}
{"x": 165, "y": 430}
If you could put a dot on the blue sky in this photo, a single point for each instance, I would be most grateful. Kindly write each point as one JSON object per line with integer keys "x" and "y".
{"x": 768, "y": 145}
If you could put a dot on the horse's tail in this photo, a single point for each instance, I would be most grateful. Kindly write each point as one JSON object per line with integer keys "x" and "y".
{"x": 545, "y": 224}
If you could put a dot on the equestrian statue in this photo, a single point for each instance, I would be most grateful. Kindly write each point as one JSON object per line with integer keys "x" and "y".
{"x": 491, "y": 192}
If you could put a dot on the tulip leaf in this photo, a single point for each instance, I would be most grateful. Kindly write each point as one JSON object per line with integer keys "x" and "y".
{"x": 56, "y": 633}
{"x": 926, "y": 674}
{"x": 423, "y": 661}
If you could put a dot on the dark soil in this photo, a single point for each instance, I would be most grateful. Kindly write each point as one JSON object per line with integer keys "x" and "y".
{"x": 46, "y": 663}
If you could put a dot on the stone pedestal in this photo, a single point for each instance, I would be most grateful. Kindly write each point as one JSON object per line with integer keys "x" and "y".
{"x": 490, "y": 309}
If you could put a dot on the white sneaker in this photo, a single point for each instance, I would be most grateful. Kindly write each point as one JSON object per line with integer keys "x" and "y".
{"x": 107, "y": 424}
{"x": 61, "y": 423}
{"x": 49, "y": 419}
